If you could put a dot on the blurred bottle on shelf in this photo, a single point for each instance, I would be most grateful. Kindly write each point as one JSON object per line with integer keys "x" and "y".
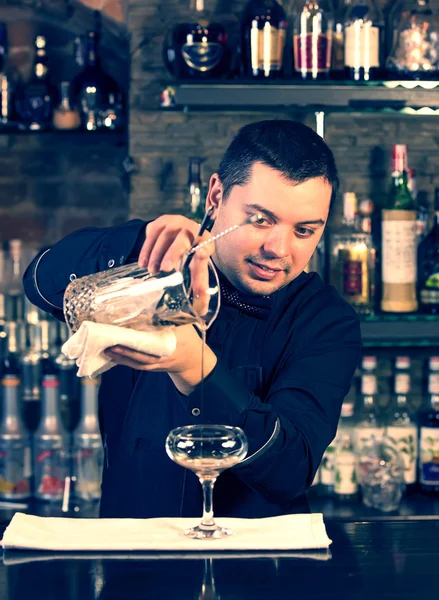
{"x": 8, "y": 83}
{"x": 401, "y": 430}
{"x": 345, "y": 479}
{"x": 51, "y": 446}
{"x": 352, "y": 259}
{"x": 338, "y": 40}
{"x": 368, "y": 424}
{"x": 364, "y": 26}
{"x": 197, "y": 48}
{"x": 13, "y": 287}
{"x": 195, "y": 205}
{"x": 415, "y": 41}
{"x": 428, "y": 421}
{"x": 15, "y": 446}
{"x": 70, "y": 384}
{"x": 399, "y": 240}
{"x": 66, "y": 116}
{"x": 317, "y": 262}
{"x": 264, "y": 26}
{"x": 428, "y": 266}
{"x": 88, "y": 453}
{"x": 37, "y": 97}
{"x": 93, "y": 91}
{"x": 313, "y": 28}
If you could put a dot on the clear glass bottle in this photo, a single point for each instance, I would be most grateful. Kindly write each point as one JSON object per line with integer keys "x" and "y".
{"x": 415, "y": 49}
{"x": 36, "y": 99}
{"x": 65, "y": 116}
{"x": 51, "y": 446}
{"x": 264, "y": 26}
{"x": 368, "y": 424}
{"x": 196, "y": 201}
{"x": 15, "y": 446}
{"x": 345, "y": 464}
{"x": 197, "y": 48}
{"x": 401, "y": 430}
{"x": 338, "y": 40}
{"x": 429, "y": 433}
{"x": 364, "y": 26}
{"x": 399, "y": 240}
{"x": 428, "y": 267}
{"x": 88, "y": 453}
{"x": 312, "y": 33}
{"x": 352, "y": 259}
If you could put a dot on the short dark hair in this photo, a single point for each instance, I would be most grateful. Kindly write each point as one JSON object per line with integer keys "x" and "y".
{"x": 292, "y": 148}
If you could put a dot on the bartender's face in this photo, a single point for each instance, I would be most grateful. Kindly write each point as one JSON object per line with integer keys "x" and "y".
{"x": 262, "y": 258}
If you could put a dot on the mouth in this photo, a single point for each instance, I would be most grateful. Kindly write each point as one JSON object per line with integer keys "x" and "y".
{"x": 262, "y": 271}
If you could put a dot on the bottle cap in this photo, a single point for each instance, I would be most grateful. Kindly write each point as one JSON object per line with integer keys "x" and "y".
{"x": 369, "y": 362}
{"x": 399, "y": 157}
{"x": 434, "y": 363}
{"x": 347, "y": 409}
{"x": 402, "y": 362}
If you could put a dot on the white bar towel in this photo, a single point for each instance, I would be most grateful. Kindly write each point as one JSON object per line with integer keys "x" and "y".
{"x": 287, "y": 532}
{"x": 91, "y": 340}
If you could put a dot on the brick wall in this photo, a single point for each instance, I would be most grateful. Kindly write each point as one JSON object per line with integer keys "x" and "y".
{"x": 54, "y": 183}
{"x": 161, "y": 142}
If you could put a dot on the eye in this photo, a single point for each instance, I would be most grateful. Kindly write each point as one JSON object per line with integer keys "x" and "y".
{"x": 304, "y": 232}
{"x": 262, "y": 222}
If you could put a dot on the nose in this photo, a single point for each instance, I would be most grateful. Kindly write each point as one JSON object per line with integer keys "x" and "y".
{"x": 277, "y": 243}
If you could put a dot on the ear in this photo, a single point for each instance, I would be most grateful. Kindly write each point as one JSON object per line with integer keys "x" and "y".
{"x": 214, "y": 195}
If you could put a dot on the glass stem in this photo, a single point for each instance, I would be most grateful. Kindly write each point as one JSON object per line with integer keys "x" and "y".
{"x": 207, "y": 485}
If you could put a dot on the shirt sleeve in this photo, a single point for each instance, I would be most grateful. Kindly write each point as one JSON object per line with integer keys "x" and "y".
{"x": 83, "y": 252}
{"x": 289, "y": 431}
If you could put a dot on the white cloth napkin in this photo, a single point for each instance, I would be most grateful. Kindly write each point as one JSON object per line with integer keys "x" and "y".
{"x": 287, "y": 532}
{"x": 91, "y": 340}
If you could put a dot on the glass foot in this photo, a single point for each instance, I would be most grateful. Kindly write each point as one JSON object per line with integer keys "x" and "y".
{"x": 204, "y": 532}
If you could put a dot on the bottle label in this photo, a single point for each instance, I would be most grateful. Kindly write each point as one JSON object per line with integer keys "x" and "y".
{"x": 429, "y": 460}
{"x": 362, "y": 45}
{"x": 402, "y": 383}
{"x": 433, "y": 383}
{"x": 312, "y": 53}
{"x": 405, "y": 440}
{"x": 345, "y": 475}
{"x": 430, "y": 290}
{"x": 363, "y": 436}
{"x": 399, "y": 251}
{"x": 368, "y": 384}
{"x": 14, "y": 470}
{"x": 50, "y": 470}
{"x": 352, "y": 278}
{"x": 202, "y": 56}
{"x": 267, "y": 48}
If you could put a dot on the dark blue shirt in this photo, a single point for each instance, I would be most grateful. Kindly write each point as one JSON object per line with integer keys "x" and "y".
{"x": 282, "y": 379}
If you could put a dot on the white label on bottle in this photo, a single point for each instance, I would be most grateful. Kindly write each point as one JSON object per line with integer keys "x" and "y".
{"x": 327, "y": 465}
{"x": 363, "y": 436}
{"x": 368, "y": 384}
{"x": 433, "y": 383}
{"x": 399, "y": 251}
{"x": 429, "y": 459}
{"x": 267, "y": 46}
{"x": 345, "y": 474}
{"x": 362, "y": 45}
{"x": 406, "y": 441}
{"x": 402, "y": 383}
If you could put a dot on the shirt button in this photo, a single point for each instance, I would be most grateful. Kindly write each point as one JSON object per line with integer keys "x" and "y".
{"x": 111, "y": 263}
{"x": 72, "y": 277}
{"x": 196, "y": 412}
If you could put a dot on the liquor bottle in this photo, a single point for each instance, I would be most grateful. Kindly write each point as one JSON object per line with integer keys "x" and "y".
{"x": 369, "y": 424}
{"x": 66, "y": 116}
{"x": 338, "y": 41}
{"x": 402, "y": 431}
{"x": 399, "y": 241}
{"x": 15, "y": 446}
{"x": 327, "y": 466}
{"x": 10, "y": 349}
{"x": 68, "y": 390}
{"x": 363, "y": 32}
{"x": 51, "y": 445}
{"x": 345, "y": 462}
{"x": 92, "y": 87}
{"x": 352, "y": 259}
{"x": 197, "y": 48}
{"x": 196, "y": 204}
{"x": 13, "y": 287}
{"x": 429, "y": 433}
{"x": 415, "y": 46}
{"x": 88, "y": 453}
{"x": 264, "y": 27}
{"x": 8, "y": 81}
{"x": 36, "y": 99}
{"x": 317, "y": 262}
{"x": 312, "y": 33}
{"x": 428, "y": 266}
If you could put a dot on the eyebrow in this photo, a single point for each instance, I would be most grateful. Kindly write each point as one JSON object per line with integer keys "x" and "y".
{"x": 268, "y": 213}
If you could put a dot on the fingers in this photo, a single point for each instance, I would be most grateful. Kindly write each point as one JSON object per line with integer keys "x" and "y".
{"x": 153, "y": 231}
{"x": 134, "y": 359}
{"x": 199, "y": 268}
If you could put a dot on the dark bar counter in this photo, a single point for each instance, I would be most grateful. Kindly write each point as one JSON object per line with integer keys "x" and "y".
{"x": 376, "y": 560}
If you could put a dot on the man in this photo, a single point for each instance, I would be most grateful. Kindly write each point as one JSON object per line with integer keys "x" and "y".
{"x": 279, "y": 358}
